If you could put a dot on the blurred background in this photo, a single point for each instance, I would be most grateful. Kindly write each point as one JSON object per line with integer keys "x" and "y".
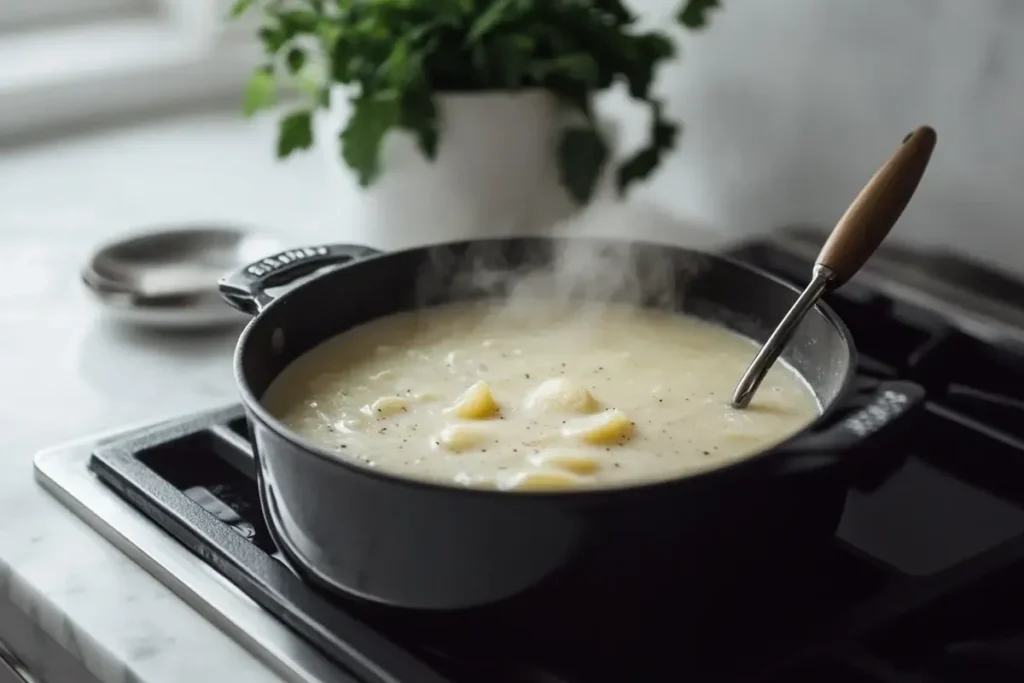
{"x": 791, "y": 104}
{"x": 125, "y": 112}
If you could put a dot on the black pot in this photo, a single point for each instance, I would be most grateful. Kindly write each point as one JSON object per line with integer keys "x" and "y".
{"x": 410, "y": 544}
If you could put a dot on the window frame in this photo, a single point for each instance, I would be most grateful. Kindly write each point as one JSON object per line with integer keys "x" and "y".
{"x": 17, "y": 15}
{"x": 141, "y": 56}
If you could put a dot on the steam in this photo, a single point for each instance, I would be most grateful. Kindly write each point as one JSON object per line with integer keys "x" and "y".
{"x": 576, "y": 274}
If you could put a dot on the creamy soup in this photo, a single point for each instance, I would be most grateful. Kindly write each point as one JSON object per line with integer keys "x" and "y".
{"x": 536, "y": 396}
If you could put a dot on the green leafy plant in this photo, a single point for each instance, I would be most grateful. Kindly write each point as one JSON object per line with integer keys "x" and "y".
{"x": 396, "y": 57}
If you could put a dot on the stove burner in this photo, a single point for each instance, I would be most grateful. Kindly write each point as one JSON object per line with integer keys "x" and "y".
{"x": 923, "y": 584}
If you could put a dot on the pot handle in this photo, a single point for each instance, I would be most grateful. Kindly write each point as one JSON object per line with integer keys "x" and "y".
{"x": 245, "y": 288}
{"x": 891, "y": 401}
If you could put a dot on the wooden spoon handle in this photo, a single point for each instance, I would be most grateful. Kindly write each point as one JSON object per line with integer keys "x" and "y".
{"x": 877, "y": 208}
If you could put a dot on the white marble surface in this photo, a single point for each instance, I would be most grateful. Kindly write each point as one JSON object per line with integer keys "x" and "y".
{"x": 67, "y": 372}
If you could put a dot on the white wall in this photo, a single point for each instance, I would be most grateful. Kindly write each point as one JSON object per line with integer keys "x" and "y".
{"x": 790, "y": 106}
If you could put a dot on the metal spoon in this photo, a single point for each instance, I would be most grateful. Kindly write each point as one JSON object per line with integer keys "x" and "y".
{"x": 855, "y": 237}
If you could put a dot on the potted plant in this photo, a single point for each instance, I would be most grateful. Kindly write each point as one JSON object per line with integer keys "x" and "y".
{"x": 458, "y": 118}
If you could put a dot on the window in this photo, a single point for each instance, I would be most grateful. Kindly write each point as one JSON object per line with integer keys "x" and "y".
{"x": 63, "y": 62}
{"x": 26, "y": 14}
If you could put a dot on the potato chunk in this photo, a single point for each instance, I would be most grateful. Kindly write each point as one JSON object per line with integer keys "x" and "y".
{"x": 604, "y": 428}
{"x": 462, "y": 437}
{"x": 539, "y": 481}
{"x": 476, "y": 403}
{"x": 575, "y": 461}
{"x": 385, "y": 406}
{"x": 561, "y": 395}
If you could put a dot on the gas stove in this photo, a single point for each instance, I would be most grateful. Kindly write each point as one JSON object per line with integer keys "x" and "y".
{"x": 923, "y": 583}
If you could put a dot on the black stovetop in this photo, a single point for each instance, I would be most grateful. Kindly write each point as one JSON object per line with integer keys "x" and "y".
{"x": 923, "y": 584}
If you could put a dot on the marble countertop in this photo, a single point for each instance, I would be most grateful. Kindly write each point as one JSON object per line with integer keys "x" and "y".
{"x": 69, "y": 373}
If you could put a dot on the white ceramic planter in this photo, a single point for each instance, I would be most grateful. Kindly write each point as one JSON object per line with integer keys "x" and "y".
{"x": 495, "y": 174}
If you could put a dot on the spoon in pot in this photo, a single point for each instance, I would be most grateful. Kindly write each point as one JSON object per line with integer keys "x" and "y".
{"x": 855, "y": 237}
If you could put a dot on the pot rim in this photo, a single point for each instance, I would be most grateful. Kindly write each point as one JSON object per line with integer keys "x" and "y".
{"x": 256, "y": 410}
